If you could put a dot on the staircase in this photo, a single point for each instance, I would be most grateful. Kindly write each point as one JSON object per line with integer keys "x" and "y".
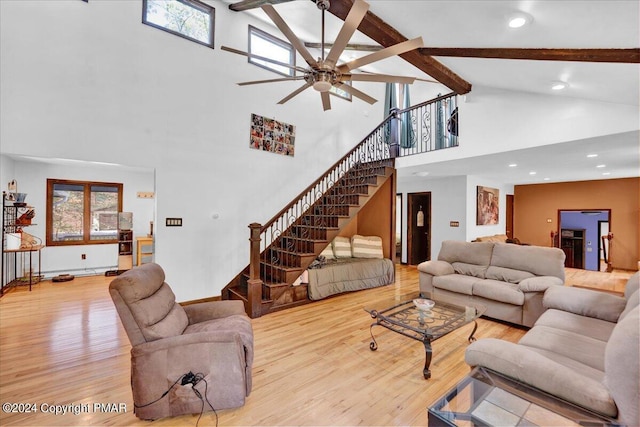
{"x": 282, "y": 249}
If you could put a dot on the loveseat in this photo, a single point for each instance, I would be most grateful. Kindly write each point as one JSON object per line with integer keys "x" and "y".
{"x": 508, "y": 279}
{"x": 349, "y": 264}
{"x": 584, "y": 349}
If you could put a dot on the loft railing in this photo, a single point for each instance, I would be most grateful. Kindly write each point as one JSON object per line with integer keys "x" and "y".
{"x": 425, "y": 127}
{"x": 432, "y": 125}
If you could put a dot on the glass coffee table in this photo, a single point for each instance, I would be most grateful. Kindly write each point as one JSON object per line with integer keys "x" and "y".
{"x": 487, "y": 398}
{"x": 403, "y": 317}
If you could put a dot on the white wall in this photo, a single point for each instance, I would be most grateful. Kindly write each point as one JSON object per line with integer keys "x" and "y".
{"x": 448, "y": 203}
{"x": 88, "y": 81}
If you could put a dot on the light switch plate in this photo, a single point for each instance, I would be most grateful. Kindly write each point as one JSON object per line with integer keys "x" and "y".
{"x": 173, "y": 222}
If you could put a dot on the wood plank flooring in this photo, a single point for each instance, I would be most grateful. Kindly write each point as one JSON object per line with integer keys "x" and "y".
{"x": 63, "y": 344}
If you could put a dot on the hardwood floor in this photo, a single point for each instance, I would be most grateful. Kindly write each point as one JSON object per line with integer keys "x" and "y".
{"x": 63, "y": 344}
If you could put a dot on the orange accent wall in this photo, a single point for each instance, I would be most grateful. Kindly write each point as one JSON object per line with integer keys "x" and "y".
{"x": 534, "y": 204}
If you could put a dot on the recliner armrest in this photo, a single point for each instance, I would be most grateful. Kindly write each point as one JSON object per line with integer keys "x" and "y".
{"x": 584, "y": 302}
{"x": 203, "y": 311}
{"x": 436, "y": 268}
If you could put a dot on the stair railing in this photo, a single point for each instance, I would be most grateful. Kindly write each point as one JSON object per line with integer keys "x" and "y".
{"x": 425, "y": 127}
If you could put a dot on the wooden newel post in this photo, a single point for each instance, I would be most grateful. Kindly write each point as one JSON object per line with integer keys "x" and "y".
{"x": 394, "y": 139}
{"x": 254, "y": 284}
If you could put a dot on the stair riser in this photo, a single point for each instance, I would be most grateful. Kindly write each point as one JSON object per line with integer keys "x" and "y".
{"x": 288, "y": 259}
{"x": 321, "y": 221}
{"x": 272, "y": 274}
{"x": 309, "y": 233}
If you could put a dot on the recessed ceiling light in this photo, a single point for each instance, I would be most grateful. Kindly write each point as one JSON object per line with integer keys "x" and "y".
{"x": 513, "y": 165}
{"x": 519, "y": 19}
{"x": 592, "y": 155}
{"x": 606, "y": 173}
{"x": 421, "y": 173}
{"x": 547, "y": 179}
{"x": 559, "y": 85}
{"x": 532, "y": 173}
{"x": 601, "y": 166}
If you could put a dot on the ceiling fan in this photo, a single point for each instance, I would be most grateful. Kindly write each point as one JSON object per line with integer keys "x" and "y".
{"x": 324, "y": 73}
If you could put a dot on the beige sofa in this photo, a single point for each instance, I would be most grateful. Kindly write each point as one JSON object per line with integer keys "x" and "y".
{"x": 584, "y": 349}
{"x": 508, "y": 279}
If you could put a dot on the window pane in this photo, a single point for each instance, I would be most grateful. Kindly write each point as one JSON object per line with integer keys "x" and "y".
{"x": 68, "y": 210}
{"x": 264, "y": 44}
{"x": 104, "y": 212}
{"x": 191, "y": 19}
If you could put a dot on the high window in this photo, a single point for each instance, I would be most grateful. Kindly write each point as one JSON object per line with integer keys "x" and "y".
{"x": 265, "y": 45}
{"x": 190, "y": 19}
{"x": 82, "y": 213}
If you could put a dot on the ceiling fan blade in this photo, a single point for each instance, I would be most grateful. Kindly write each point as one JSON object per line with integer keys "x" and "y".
{"x": 262, "y": 58}
{"x": 295, "y": 41}
{"x": 252, "y": 4}
{"x": 355, "y": 92}
{"x": 283, "y": 79}
{"x": 384, "y": 78}
{"x": 396, "y": 49}
{"x": 294, "y": 93}
{"x": 355, "y": 16}
{"x": 326, "y": 102}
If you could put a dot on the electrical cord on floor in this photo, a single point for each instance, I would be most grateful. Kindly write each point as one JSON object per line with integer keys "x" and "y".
{"x": 193, "y": 379}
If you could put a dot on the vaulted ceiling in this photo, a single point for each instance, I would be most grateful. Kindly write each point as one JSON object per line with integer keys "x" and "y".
{"x": 591, "y": 45}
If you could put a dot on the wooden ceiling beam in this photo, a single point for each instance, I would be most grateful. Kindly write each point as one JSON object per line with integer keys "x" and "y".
{"x": 384, "y": 34}
{"x": 631, "y": 56}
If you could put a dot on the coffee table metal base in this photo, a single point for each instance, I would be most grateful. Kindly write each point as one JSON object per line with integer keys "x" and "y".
{"x": 413, "y": 323}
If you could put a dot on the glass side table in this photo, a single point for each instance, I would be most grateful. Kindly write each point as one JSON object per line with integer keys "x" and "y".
{"x": 486, "y": 398}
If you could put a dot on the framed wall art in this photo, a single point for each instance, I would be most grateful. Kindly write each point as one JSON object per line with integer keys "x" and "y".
{"x": 488, "y": 208}
{"x": 272, "y": 135}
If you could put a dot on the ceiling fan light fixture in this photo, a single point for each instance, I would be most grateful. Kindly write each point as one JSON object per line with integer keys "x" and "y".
{"x": 559, "y": 85}
{"x": 519, "y": 19}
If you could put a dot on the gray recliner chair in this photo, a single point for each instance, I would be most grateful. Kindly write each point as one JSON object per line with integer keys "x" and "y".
{"x": 211, "y": 340}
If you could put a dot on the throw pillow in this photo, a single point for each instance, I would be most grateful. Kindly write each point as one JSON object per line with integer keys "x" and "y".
{"x": 366, "y": 246}
{"x": 328, "y": 252}
{"x": 341, "y": 247}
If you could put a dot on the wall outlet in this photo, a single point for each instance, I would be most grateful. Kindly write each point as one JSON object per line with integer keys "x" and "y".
{"x": 145, "y": 194}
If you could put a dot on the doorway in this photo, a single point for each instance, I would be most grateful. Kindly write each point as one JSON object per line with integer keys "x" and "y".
{"x": 399, "y": 228}
{"x": 418, "y": 227}
{"x": 581, "y": 232}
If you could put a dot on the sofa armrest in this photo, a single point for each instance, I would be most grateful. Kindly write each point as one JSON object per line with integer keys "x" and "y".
{"x": 203, "y": 311}
{"x": 436, "y": 268}
{"x": 584, "y": 302}
{"x": 532, "y": 368}
{"x": 539, "y": 283}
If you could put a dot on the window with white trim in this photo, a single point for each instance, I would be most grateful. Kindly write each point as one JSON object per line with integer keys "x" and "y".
{"x": 268, "y": 46}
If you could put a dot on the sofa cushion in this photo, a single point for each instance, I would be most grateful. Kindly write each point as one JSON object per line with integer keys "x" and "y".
{"x": 456, "y": 283}
{"x": 621, "y": 367}
{"x": 632, "y": 302}
{"x": 589, "y": 326}
{"x": 585, "y": 302}
{"x": 633, "y": 284}
{"x": 507, "y": 274}
{"x": 539, "y": 260}
{"x": 498, "y": 291}
{"x": 470, "y": 269}
{"x": 581, "y": 348}
{"x": 478, "y": 253}
{"x": 341, "y": 247}
{"x": 366, "y": 246}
